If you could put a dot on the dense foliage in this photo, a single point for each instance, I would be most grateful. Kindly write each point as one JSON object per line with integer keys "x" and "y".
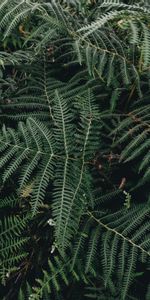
{"x": 74, "y": 149}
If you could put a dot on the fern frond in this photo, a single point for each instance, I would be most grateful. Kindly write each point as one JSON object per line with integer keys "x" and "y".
{"x": 71, "y": 192}
{"x": 36, "y": 141}
{"x": 135, "y": 131}
{"x": 58, "y": 271}
{"x": 40, "y": 185}
{"x": 12, "y": 243}
{"x": 146, "y": 45}
{"x": 16, "y": 14}
{"x": 92, "y": 248}
{"x": 125, "y": 241}
{"x": 76, "y": 84}
{"x": 132, "y": 257}
{"x": 9, "y": 201}
{"x": 12, "y": 226}
{"x": 63, "y": 121}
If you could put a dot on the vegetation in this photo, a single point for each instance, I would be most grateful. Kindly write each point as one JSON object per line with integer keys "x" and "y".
{"x": 74, "y": 149}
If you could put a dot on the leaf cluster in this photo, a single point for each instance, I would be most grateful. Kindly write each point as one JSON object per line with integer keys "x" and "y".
{"x": 74, "y": 149}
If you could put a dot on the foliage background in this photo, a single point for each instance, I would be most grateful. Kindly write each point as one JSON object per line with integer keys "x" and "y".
{"x": 74, "y": 150}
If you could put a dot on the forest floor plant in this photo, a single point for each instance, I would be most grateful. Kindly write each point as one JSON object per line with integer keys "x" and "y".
{"x": 75, "y": 149}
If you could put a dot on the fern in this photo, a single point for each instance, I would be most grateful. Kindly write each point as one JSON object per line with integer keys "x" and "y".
{"x": 74, "y": 149}
{"x": 112, "y": 48}
{"x": 12, "y": 244}
{"x": 135, "y": 129}
{"x": 58, "y": 272}
{"x": 23, "y": 148}
{"x": 120, "y": 238}
{"x": 9, "y": 201}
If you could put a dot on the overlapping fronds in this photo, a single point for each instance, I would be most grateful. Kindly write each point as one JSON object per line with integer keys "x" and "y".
{"x": 36, "y": 98}
{"x": 31, "y": 146}
{"x": 56, "y": 156}
{"x": 103, "y": 50}
{"x": 120, "y": 241}
{"x": 74, "y": 149}
{"x": 134, "y": 133}
{"x": 12, "y": 243}
{"x": 57, "y": 273}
